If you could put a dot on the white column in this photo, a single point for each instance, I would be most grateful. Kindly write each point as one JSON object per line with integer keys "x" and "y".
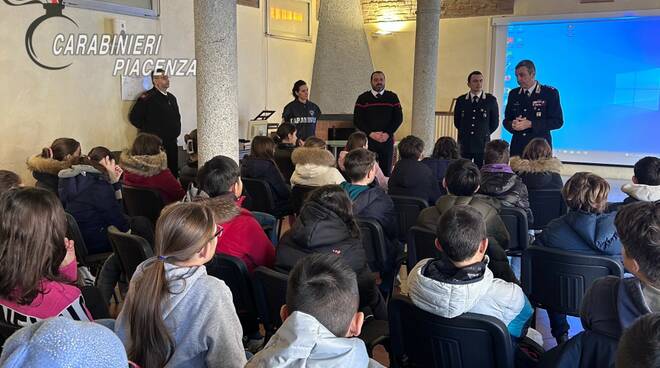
{"x": 425, "y": 75}
{"x": 217, "y": 79}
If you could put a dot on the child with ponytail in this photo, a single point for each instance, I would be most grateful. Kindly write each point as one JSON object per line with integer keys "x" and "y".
{"x": 175, "y": 315}
{"x": 58, "y": 156}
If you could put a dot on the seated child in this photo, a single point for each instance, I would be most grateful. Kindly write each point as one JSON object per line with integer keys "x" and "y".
{"x": 359, "y": 140}
{"x": 175, "y": 314}
{"x": 500, "y": 182}
{"x": 613, "y": 304}
{"x": 371, "y": 201}
{"x": 645, "y": 184}
{"x": 410, "y": 176}
{"x": 444, "y": 152}
{"x": 38, "y": 263}
{"x": 315, "y": 165}
{"x": 462, "y": 182}
{"x": 460, "y": 281}
{"x": 321, "y": 319}
{"x": 145, "y": 166}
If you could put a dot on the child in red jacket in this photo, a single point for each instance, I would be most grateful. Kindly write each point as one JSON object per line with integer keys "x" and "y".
{"x": 145, "y": 166}
{"x": 220, "y": 182}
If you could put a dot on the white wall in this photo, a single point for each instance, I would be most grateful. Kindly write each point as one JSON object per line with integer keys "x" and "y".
{"x": 268, "y": 67}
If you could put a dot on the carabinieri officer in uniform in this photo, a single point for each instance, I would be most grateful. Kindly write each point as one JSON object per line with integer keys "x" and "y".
{"x": 476, "y": 116}
{"x": 532, "y": 110}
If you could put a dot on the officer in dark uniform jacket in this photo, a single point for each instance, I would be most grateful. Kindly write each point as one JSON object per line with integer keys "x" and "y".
{"x": 532, "y": 110}
{"x": 157, "y": 112}
{"x": 476, "y": 116}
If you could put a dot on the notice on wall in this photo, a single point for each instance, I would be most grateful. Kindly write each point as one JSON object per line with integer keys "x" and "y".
{"x": 133, "y": 87}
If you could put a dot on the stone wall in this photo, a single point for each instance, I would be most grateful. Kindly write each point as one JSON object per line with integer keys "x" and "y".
{"x": 402, "y": 10}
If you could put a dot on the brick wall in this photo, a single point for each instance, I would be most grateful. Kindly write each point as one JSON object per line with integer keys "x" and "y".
{"x": 401, "y": 10}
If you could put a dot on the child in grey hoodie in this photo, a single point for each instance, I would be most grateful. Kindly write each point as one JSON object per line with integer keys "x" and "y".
{"x": 175, "y": 315}
{"x": 320, "y": 319}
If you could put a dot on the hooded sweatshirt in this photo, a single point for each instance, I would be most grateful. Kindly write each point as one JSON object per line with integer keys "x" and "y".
{"x": 90, "y": 198}
{"x": 302, "y": 341}
{"x": 45, "y": 171}
{"x": 439, "y": 287}
{"x": 151, "y": 172}
{"x": 60, "y": 343}
{"x": 200, "y": 316}
{"x": 498, "y": 236}
{"x": 315, "y": 167}
{"x": 56, "y": 299}
{"x": 583, "y": 232}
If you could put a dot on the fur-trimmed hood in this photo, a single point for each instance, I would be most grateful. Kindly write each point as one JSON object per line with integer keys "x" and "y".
{"x": 224, "y": 206}
{"x": 314, "y": 156}
{"x": 520, "y": 165}
{"x": 143, "y": 165}
{"x": 51, "y": 166}
{"x": 642, "y": 192}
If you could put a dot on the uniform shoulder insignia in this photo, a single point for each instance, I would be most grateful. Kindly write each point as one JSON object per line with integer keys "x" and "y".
{"x": 145, "y": 95}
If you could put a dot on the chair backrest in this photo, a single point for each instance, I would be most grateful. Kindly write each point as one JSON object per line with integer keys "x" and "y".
{"x": 6, "y": 330}
{"x": 94, "y": 302}
{"x": 546, "y": 205}
{"x": 557, "y": 280}
{"x": 515, "y": 220}
{"x": 422, "y": 339}
{"x": 235, "y": 274}
{"x": 407, "y": 209}
{"x": 421, "y": 245}
{"x": 299, "y": 194}
{"x": 73, "y": 233}
{"x": 142, "y": 202}
{"x": 375, "y": 246}
{"x": 270, "y": 294}
{"x": 261, "y": 197}
{"x": 131, "y": 250}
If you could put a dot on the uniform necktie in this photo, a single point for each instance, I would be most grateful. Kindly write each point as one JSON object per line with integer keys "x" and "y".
{"x": 475, "y": 99}
{"x": 528, "y": 93}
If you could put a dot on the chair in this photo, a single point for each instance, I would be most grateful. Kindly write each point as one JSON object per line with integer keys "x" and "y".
{"x": 299, "y": 194}
{"x": 557, "y": 280}
{"x": 142, "y": 202}
{"x": 421, "y": 245}
{"x": 270, "y": 295}
{"x": 261, "y": 199}
{"x": 378, "y": 256}
{"x": 94, "y": 302}
{"x": 515, "y": 220}
{"x": 6, "y": 330}
{"x": 234, "y": 273}
{"x": 407, "y": 209}
{"x": 131, "y": 250}
{"x": 546, "y": 206}
{"x": 422, "y": 339}
{"x": 94, "y": 261}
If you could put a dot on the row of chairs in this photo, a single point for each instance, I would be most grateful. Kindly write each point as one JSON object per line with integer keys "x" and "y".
{"x": 421, "y": 339}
